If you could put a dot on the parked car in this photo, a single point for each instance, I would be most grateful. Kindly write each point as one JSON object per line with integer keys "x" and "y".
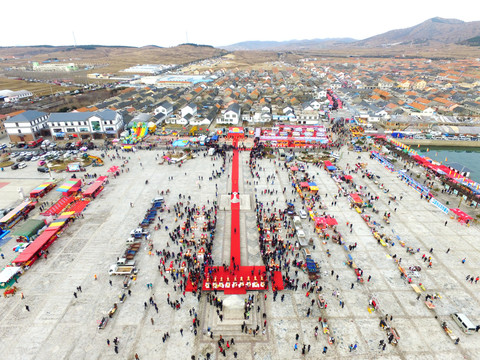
{"x": 22, "y": 165}
{"x": 42, "y": 169}
{"x": 14, "y": 166}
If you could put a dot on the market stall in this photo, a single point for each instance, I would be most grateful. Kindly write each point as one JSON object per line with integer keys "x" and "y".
{"x": 461, "y": 216}
{"x": 70, "y": 187}
{"x": 9, "y": 275}
{"x": 41, "y": 190}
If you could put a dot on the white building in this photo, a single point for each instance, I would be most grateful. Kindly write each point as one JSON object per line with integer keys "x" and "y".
{"x": 85, "y": 125}
{"x": 189, "y": 109}
{"x": 164, "y": 108}
{"x": 27, "y": 126}
{"x": 14, "y": 96}
{"x": 231, "y": 115}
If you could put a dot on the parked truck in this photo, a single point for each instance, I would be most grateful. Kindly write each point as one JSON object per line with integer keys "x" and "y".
{"x": 35, "y": 143}
{"x": 125, "y": 262}
{"x": 122, "y": 270}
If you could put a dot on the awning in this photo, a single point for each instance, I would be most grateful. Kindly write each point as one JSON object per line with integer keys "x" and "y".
{"x": 35, "y": 246}
{"x": 304, "y": 184}
{"x": 92, "y": 188}
{"x": 294, "y": 168}
{"x": 14, "y": 212}
{"x": 70, "y": 185}
{"x": 461, "y": 214}
{"x": 356, "y": 198}
{"x": 29, "y": 228}
{"x": 8, "y": 273}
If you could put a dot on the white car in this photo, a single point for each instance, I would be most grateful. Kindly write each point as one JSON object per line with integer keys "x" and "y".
{"x": 22, "y": 165}
{"x": 303, "y": 214}
{"x": 35, "y": 158}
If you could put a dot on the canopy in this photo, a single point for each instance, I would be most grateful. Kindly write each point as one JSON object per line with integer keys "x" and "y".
{"x": 348, "y": 177}
{"x": 15, "y": 211}
{"x": 29, "y": 228}
{"x": 8, "y": 273}
{"x": 70, "y": 185}
{"x": 40, "y": 188}
{"x": 35, "y": 246}
{"x": 92, "y": 188}
{"x": 60, "y": 222}
{"x": 304, "y": 184}
{"x": 356, "y": 198}
{"x": 294, "y": 168}
{"x": 326, "y": 220}
{"x": 327, "y": 163}
{"x": 113, "y": 169}
{"x": 462, "y": 215}
{"x": 312, "y": 184}
{"x": 313, "y": 188}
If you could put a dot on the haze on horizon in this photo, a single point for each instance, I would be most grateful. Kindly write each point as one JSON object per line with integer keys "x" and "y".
{"x": 211, "y": 22}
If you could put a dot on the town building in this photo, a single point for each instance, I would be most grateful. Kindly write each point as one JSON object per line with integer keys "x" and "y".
{"x": 14, "y": 96}
{"x": 27, "y": 126}
{"x": 231, "y": 115}
{"x": 86, "y": 125}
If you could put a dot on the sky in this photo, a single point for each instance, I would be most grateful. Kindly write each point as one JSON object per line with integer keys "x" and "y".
{"x": 214, "y": 22}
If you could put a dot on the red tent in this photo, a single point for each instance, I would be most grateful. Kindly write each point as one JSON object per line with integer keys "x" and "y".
{"x": 304, "y": 184}
{"x": 461, "y": 215}
{"x": 356, "y": 198}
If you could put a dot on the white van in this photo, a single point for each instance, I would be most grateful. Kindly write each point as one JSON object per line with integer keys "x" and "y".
{"x": 301, "y": 234}
{"x": 303, "y": 214}
{"x": 464, "y": 323}
{"x": 306, "y": 253}
{"x": 296, "y": 220}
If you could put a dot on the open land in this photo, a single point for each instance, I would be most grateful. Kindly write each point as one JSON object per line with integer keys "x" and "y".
{"x": 61, "y": 326}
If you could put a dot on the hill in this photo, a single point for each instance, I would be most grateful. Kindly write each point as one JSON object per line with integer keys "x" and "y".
{"x": 287, "y": 45}
{"x": 111, "y": 58}
{"x": 430, "y": 32}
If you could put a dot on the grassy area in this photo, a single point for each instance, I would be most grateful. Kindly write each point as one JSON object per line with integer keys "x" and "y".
{"x": 5, "y": 164}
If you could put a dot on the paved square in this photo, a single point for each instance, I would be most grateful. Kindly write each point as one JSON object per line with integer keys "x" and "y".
{"x": 61, "y": 326}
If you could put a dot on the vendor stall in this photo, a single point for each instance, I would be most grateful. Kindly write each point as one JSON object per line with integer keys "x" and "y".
{"x": 41, "y": 190}
{"x": 9, "y": 275}
{"x": 461, "y": 216}
{"x": 29, "y": 229}
{"x": 70, "y": 187}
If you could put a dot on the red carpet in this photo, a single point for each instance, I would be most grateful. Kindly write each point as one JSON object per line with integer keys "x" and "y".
{"x": 235, "y": 207}
{"x": 277, "y": 281}
{"x": 245, "y": 278}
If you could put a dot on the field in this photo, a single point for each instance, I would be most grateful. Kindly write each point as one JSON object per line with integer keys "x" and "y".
{"x": 38, "y": 89}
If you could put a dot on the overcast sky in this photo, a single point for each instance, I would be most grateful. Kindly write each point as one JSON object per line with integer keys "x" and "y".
{"x": 214, "y": 22}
